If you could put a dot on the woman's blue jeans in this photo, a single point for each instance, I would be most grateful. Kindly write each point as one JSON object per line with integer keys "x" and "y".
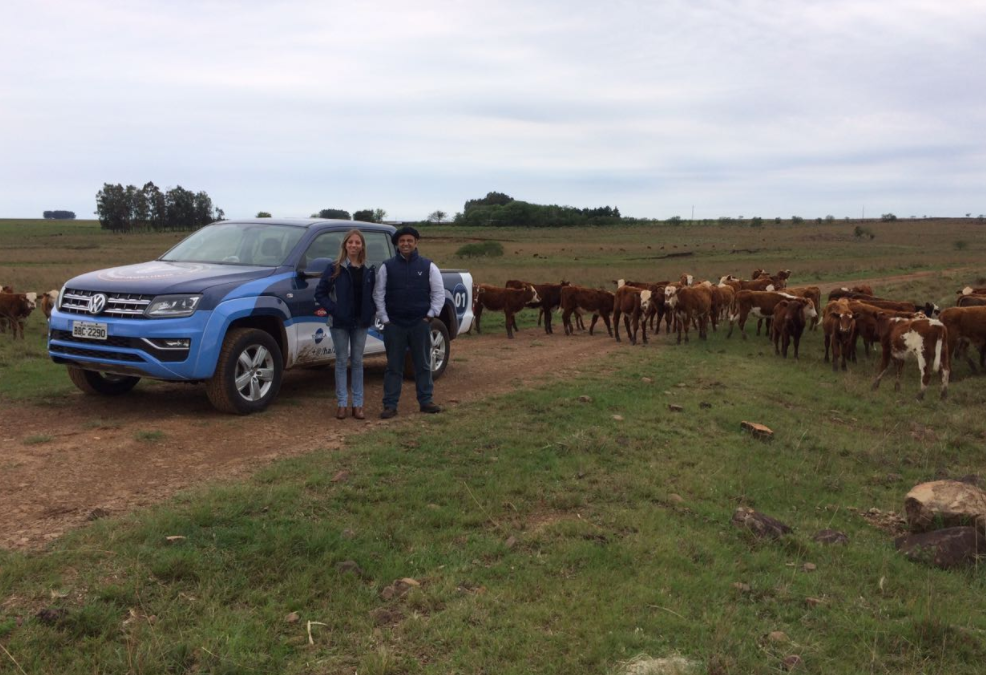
{"x": 349, "y": 342}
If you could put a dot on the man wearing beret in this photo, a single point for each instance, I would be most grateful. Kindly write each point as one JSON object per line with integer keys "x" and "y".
{"x": 409, "y": 293}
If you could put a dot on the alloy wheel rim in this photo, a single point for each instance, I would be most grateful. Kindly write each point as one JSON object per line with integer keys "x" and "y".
{"x": 254, "y": 375}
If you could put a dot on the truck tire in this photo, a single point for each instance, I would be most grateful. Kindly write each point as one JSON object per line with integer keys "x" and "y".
{"x": 104, "y": 384}
{"x": 441, "y": 350}
{"x": 248, "y": 373}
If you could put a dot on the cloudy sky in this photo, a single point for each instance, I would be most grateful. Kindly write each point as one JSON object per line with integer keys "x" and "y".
{"x": 742, "y": 107}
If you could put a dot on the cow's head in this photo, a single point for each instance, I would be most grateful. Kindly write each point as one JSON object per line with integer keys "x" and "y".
{"x": 965, "y": 291}
{"x": 535, "y": 298}
{"x": 930, "y": 310}
{"x": 32, "y": 300}
{"x": 670, "y": 295}
{"x": 645, "y": 297}
{"x": 809, "y": 309}
{"x": 687, "y": 280}
{"x": 620, "y": 283}
{"x": 759, "y": 272}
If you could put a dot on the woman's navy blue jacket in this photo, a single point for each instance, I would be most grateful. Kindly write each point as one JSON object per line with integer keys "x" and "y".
{"x": 341, "y": 308}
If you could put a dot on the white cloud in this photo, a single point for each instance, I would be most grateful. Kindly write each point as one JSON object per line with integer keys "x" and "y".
{"x": 743, "y": 105}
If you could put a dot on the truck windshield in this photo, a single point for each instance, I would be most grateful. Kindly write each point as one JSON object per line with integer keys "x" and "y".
{"x": 251, "y": 244}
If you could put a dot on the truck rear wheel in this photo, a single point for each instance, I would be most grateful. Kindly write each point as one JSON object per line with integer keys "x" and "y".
{"x": 248, "y": 373}
{"x": 105, "y": 384}
{"x": 441, "y": 349}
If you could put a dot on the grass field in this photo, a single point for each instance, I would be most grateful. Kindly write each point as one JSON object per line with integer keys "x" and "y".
{"x": 577, "y": 527}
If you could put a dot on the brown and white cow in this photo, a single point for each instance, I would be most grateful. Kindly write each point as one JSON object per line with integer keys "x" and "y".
{"x": 966, "y": 326}
{"x": 574, "y": 298}
{"x": 14, "y": 310}
{"x": 657, "y": 310}
{"x": 48, "y": 301}
{"x": 506, "y": 300}
{"x": 924, "y": 339}
{"x": 632, "y": 303}
{"x": 689, "y": 303}
{"x": 839, "y": 326}
{"x": 790, "y": 319}
{"x": 969, "y": 290}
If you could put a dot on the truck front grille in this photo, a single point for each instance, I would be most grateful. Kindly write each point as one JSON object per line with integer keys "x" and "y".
{"x": 122, "y": 305}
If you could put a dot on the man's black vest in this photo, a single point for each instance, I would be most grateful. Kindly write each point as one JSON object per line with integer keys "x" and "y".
{"x": 408, "y": 295}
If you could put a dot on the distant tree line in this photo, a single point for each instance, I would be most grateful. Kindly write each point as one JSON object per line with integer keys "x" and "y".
{"x": 130, "y": 209}
{"x": 497, "y": 209}
{"x": 59, "y": 215}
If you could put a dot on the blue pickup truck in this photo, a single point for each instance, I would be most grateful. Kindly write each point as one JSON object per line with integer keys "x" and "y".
{"x": 231, "y": 306}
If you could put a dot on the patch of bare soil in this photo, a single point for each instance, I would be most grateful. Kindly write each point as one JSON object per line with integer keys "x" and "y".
{"x": 107, "y": 456}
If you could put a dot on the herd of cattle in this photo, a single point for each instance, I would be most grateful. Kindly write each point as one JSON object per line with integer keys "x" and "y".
{"x": 16, "y": 307}
{"x": 903, "y": 329}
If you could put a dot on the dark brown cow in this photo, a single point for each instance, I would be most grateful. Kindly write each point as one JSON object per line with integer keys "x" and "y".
{"x": 574, "y": 298}
{"x": 839, "y": 326}
{"x": 924, "y": 339}
{"x": 506, "y": 300}
{"x": 632, "y": 303}
{"x": 971, "y": 301}
{"x": 929, "y": 309}
{"x": 48, "y": 301}
{"x": 723, "y": 297}
{"x": 813, "y": 293}
{"x": 867, "y": 326}
{"x": 790, "y": 319}
{"x": 690, "y": 303}
{"x": 657, "y": 310}
{"x": 14, "y": 309}
{"x": 966, "y": 326}
{"x": 759, "y": 304}
{"x": 550, "y": 300}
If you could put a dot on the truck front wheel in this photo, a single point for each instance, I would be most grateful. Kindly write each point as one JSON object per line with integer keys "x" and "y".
{"x": 106, "y": 384}
{"x": 248, "y": 374}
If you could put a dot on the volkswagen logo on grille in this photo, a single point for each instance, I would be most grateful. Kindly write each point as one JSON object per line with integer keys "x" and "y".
{"x": 97, "y": 303}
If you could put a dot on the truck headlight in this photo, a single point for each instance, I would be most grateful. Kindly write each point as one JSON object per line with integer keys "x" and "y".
{"x": 172, "y": 306}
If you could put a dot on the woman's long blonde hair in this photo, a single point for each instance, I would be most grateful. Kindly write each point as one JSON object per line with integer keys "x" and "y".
{"x": 343, "y": 256}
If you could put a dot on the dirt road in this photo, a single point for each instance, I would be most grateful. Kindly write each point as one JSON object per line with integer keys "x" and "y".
{"x": 113, "y": 455}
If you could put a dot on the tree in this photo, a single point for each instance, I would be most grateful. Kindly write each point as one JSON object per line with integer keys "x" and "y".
{"x": 888, "y": 217}
{"x": 379, "y": 215}
{"x": 491, "y": 199}
{"x": 336, "y": 214}
{"x": 438, "y": 217}
{"x": 797, "y": 220}
{"x": 59, "y": 215}
{"x": 365, "y": 216}
{"x": 263, "y": 214}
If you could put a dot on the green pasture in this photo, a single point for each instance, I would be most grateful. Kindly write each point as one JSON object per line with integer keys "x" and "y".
{"x": 574, "y": 527}
{"x": 568, "y": 528}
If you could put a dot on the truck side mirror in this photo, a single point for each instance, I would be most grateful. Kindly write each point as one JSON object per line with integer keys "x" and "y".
{"x": 314, "y": 268}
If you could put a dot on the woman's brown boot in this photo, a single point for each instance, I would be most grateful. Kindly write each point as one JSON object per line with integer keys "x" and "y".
{"x": 358, "y": 413}
{"x": 341, "y": 413}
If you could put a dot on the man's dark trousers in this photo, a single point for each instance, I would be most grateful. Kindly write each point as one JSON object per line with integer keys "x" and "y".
{"x": 396, "y": 340}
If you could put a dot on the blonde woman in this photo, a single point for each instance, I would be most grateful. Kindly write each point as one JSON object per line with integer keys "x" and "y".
{"x": 345, "y": 291}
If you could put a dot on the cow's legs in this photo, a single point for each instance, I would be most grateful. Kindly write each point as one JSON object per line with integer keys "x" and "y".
{"x": 478, "y": 314}
{"x": 899, "y": 368}
{"x": 566, "y": 320}
{"x": 511, "y": 323}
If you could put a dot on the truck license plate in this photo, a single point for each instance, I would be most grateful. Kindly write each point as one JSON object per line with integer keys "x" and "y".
{"x": 89, "y": 330}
